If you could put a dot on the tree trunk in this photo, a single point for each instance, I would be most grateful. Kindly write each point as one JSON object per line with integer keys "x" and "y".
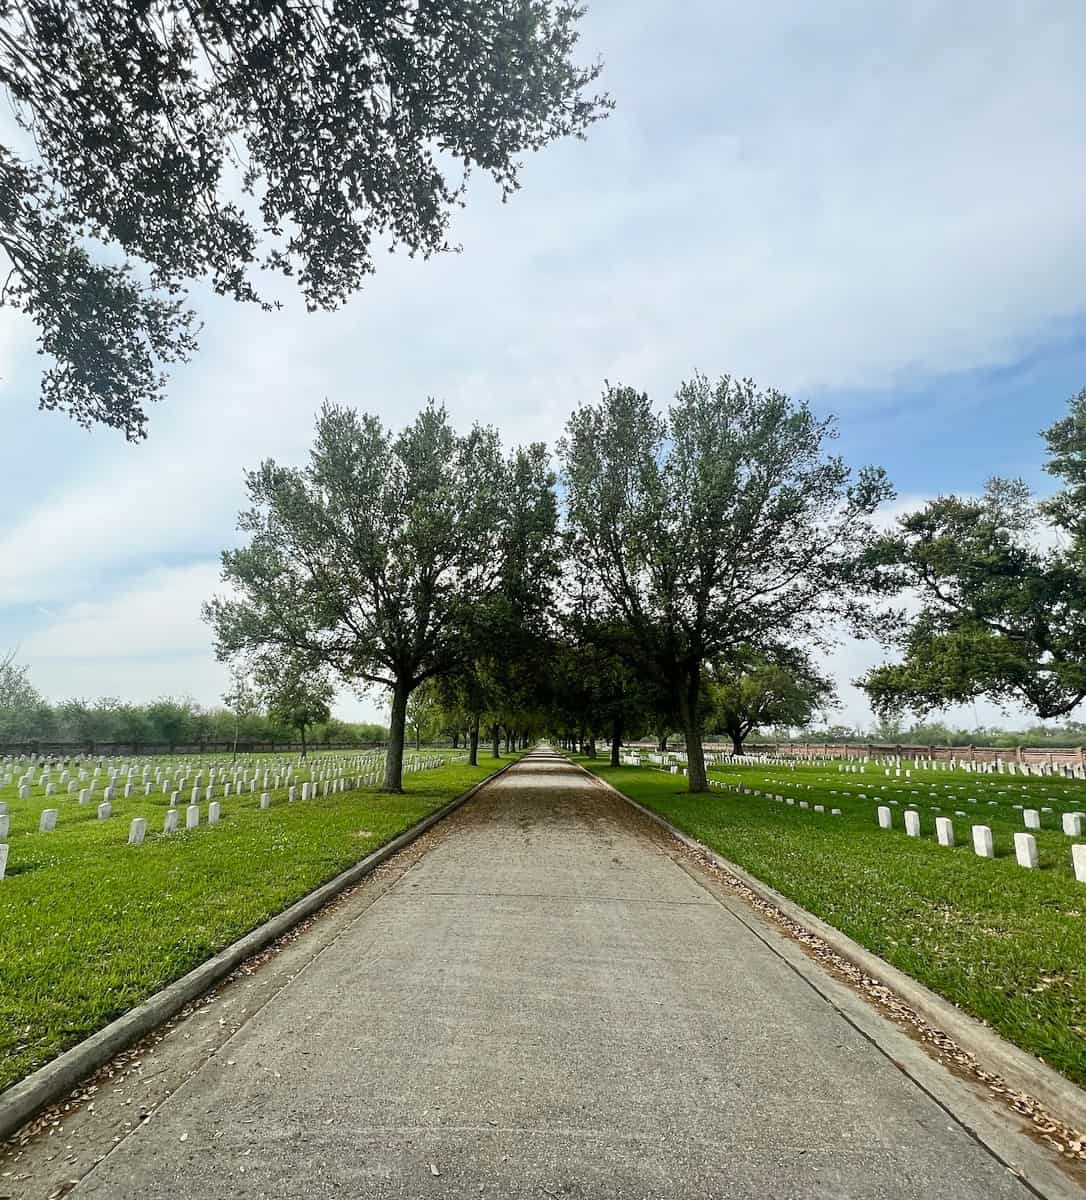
{"x": 695, "y": 755}
{"x": 302, "y": 731}
{"x": 508, "y": 742}
{"x": 456, "y": 740}
{"x": 737, "y": 741}
{"x": 590, "y": 749}
{"x": 418, "y": 738}
{"x": 473, "y": 744}
{"x": 495, "y": 741}
{"x": 616, "y": 740}
{"x": 661, "y": 745}
{"x": 397, "y": 727}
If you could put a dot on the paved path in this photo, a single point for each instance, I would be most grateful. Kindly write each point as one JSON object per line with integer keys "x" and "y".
{"x": 548, "y": 1005}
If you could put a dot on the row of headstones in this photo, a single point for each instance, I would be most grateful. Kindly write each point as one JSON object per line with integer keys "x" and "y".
{"x": 750, "y": 760}
{"x": 1071, "y": 823}
{"x": 994, "y": 767}
{"x": 239, "y": 777}
{"x": 1031, "y": 817}
{"x": 23, "y": 764}
{"x": 661, "y": 762}
{"x": 137, "y": 830}
{"x": 47, "y": 822}
{"x": 805, "y": 805}
{"x": 677, "y": 757}
{"x": 277, "y": 782}
{"x": 1025, "y": 844}
{"x": 144, "y": 767}
{"x": 1036, "y": 770}
{"x": 895, "y": 764}
{"x": 214, "y": 768}
{"x": 181, "y": 762}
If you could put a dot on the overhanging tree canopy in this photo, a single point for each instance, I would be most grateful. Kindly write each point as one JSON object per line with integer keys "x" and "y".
{"x": 216, "y": 138}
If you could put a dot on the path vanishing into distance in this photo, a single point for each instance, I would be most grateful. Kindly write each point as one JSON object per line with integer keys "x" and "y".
{"x": 546, "y": 1002}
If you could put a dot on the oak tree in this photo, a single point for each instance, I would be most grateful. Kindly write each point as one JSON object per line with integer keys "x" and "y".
{"x": 725, "y": 524}
{"x": 216, "y": 140}
{"x": 781, "y": 687}
{"x": 1000, "y": 581}
{"x": 377, "y": 560}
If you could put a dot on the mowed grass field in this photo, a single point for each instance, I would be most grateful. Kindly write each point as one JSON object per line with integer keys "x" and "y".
{"x": 1002, "y": 942}
{"x": 90, "y": 926}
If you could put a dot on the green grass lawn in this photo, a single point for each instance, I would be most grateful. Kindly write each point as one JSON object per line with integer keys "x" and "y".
{"x": 1004, "y": 943}
{"x": 90, "y": 926}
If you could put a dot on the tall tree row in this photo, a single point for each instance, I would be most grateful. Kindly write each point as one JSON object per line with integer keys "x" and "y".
{"x": 684, "y": 576}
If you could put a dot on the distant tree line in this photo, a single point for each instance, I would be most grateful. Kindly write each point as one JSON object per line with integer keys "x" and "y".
{"x": 936, "y": 733}
{"x": 26, "y": 716}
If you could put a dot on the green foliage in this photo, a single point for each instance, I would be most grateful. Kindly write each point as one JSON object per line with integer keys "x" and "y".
{"x": 340, "y": 124}
{"x": 894, "y": 732}
{"x": 783, "y": 688}
{"x": 424, "y": 715}
{"x": 22, "y": 708}
{"x": 501, "y": 675}
{"x": 1000, "y": 616}
{"x": 1066, "y": 441}
{"x": 723, "y": 527}
{"x": 164, "y": 723}
{"x": 297, "y": 695}
{"x": 382, "y": 561}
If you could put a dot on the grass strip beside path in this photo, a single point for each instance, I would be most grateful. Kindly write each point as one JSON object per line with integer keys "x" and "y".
{"x": 1005, "y": 944}
{"x": 90, "y": 926}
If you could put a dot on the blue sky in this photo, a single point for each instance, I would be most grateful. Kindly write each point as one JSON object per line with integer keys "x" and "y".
{"x": 875, "y": 206}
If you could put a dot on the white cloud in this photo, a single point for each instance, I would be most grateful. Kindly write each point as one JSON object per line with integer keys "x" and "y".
{"x": 179, "y": 493}
{"x": 158, "y": 617}
{"x": 141, "y": 643}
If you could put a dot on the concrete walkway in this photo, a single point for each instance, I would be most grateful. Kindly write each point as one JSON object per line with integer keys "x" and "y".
{"x": 548, "y": 1005}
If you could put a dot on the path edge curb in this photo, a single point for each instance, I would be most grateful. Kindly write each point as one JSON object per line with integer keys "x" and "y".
{"x": 22, "y": 1101}
{"x": 1022, "y": 1071}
